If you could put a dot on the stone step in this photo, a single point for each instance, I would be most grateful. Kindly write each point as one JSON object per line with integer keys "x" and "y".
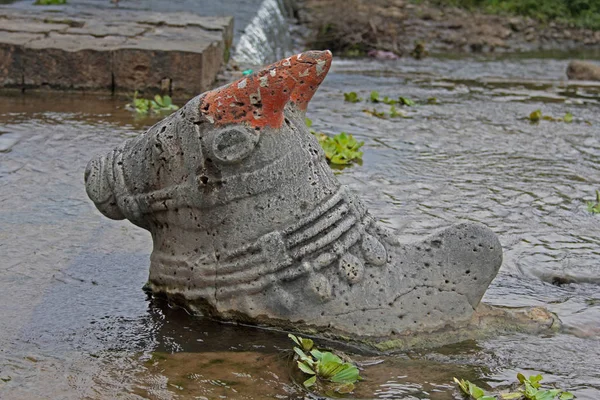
{"x": 112, "y": 50}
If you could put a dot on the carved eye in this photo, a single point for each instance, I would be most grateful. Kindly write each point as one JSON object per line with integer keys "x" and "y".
{"x": 234, "y": 144}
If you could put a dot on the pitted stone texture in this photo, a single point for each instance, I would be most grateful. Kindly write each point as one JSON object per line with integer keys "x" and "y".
{"x": 583, "y": 71}
{"x": 91, "y": 49}
{"x": 249, "y": 222}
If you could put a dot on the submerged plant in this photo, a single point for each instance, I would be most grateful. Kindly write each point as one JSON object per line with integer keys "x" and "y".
{"x": 325, "y": 368}
{"x": 340, "y": 149}
{"x": 594, "y": 207}
{"x": 529, "y": 389}
{"x": 158, "y": 105}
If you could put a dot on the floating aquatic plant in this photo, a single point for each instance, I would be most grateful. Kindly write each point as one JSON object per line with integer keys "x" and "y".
{"x": 594, "y": 207}
{"x": 536, "y": 116}
{"x": 324, "y": 368}
{"x": 529, "y": 389}
{"x": 351, "y": 97}
{"x": 340, "y": 149}
{"x": 158, "y": 105}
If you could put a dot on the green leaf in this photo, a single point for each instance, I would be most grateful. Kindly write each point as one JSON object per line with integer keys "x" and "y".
{"x": 307, "y": 344}
{"x": 316, "y": 354}
{"x": 305, "y": 368}
{"x": 310, "y": 381}
{"x": 348, "y": 374}
{"x": 475, "y": 391}
{"x": 303, "y": 356}
{"x": 406, "y": 101}
{"x": 568, "y": 118}
{"x": 351, "y": 97}
{"x": 388, "y": 101}
{"x": 546, "y": 394}
{"x": 511, "y": 396}
{"x": 535, "y": 380}
{"x": 566, "y": 396}
{"x": 487, "y": 397}
{"x": 521, "y": 377}
{"x": 167, "y": 101}
{"x": 530, "y": 390}
{"x": 308, "y": 122}
{"x": 374, "y": 96}
{"x": 535, "y": 117}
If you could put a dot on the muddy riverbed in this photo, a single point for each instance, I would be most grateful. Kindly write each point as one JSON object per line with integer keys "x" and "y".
{"x": 75, "y": 322}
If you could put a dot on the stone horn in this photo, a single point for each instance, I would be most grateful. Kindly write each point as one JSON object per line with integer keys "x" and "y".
{"x": 249, "y": 223}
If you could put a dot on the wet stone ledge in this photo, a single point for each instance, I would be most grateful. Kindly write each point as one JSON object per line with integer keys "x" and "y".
{"x": 112, "y": 50}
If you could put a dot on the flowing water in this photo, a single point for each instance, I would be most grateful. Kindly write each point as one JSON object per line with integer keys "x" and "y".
{"x": 75, "y": 323}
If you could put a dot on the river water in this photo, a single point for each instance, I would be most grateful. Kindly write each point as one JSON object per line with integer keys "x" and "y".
{"x": 75, "y": 323}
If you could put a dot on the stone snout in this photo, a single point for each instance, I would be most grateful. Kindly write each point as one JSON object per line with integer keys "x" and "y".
{"x": 249, "y": 223}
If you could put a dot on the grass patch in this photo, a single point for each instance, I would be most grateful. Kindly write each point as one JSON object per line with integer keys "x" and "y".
{"x": 581, "y": 13}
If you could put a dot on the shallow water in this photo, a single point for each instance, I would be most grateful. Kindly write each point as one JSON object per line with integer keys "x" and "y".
{"x": 75, "y": 322}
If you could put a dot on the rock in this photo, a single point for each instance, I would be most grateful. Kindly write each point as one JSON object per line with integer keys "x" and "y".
{"x": 382, "y": 55}
{"x": 250, "y": 224}
{"x": 117, "y": 51}
{"x": 583, "y": 71}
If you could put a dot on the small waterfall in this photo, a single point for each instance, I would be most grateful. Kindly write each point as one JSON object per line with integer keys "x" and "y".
{"x": 267, "y": 37}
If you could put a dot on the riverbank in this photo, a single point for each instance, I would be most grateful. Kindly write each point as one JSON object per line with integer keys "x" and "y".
{"x": 354, "y": 27}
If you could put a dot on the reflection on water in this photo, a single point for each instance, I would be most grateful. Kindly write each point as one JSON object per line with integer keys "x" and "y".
{"x": 75, "y": 322}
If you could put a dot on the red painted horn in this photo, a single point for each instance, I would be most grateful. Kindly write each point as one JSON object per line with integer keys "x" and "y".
{"x": 259, "y": 99}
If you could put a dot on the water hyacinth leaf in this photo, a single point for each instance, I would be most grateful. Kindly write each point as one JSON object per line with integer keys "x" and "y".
{"x": 310, "y": 381}
{"x": 521, "y": 378}
{"x": 307, "y": 344}
{"x": 303, "y": 356}
{"x": 487, "y": 398}
{"x": 305, "y": 368}
{"x": 349, "y": 373}
{"x": 463, "y": 385}
{"x": 406, "y": 101}
{"x": 388, "y": 101}
{"x": 511, "y": 396}
{"x": 374, "y": 97}
{"x": 566, "y": 396}
{"x": 475, "y": 390}
{"x": 535, "y": 116}
{"x": 316, "y": 354}
{"x": 535, "y": 381}
{"x": 395, "y": 113}
{"x": 329, "y": 359}
{"x": 351, "y": 97}
{"x": 295, "y": 339}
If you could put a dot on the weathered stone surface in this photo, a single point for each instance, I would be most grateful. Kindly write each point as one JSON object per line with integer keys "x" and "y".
{"x": 112, "y": 50}
{"x": 249, "y": 223}
{"x": 583, "y": 71}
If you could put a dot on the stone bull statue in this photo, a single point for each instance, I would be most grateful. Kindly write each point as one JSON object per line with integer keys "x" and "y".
{"x": 250, "y": 224}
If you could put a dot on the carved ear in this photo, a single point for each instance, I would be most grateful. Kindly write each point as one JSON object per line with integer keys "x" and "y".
{"x": 260, "y": 98}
